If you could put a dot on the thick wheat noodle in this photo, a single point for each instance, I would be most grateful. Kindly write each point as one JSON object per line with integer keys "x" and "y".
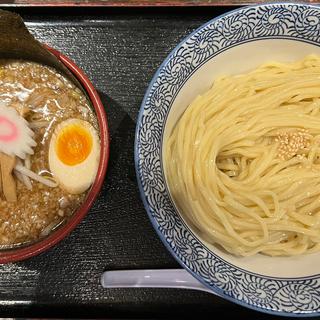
{"x": 243, "y": 161}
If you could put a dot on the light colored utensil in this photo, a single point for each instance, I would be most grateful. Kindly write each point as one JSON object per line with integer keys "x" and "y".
{"x": 163, "y": 278}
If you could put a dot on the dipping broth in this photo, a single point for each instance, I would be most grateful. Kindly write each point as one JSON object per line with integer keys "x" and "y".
{"x": 45, "y": 99}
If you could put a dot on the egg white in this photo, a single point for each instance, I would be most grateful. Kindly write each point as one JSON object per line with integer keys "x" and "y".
{"x": 77, "y": 178}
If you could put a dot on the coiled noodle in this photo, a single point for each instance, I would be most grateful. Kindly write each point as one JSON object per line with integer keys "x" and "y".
{"x": 243, "y": 162}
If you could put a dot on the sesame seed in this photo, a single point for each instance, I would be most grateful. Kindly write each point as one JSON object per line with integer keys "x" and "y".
{"x": 290, "y": 143}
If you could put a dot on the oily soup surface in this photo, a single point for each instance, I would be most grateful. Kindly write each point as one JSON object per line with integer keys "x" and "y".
{"x": 46, "y": 98}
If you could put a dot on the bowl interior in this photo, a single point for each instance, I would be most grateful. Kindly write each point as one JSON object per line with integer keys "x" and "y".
{"x": 238, "y": 59}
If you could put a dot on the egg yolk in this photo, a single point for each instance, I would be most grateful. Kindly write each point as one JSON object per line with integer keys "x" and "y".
{"x": 73, "y": 145}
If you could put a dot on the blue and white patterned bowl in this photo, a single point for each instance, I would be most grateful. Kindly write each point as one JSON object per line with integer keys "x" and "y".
{"x": 232, "y": 43}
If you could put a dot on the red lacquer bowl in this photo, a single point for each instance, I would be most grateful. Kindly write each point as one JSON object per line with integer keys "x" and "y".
{"x": 24, "y": 252}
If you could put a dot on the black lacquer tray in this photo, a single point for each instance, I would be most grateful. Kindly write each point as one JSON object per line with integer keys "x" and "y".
{"x": 119, "y": 49}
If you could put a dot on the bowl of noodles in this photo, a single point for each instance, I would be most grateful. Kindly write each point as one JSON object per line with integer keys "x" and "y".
{"x": 227, "y": 156}
{"x": 54, "y": 149}
{"x": 54, "y": 143}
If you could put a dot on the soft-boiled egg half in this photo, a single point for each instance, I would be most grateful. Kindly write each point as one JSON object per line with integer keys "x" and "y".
{"x": 74, "y": 154}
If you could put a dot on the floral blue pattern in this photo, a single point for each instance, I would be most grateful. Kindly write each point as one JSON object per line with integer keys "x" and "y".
{"x": 280, "y": 296}
{"x": 275, "y": 21}
{"x": 159, "y": 102}
{"x": 308, "y": 23}
{"x": 223, "y": 277}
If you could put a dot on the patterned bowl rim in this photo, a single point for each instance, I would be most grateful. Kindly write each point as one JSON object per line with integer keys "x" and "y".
{"x": 153, "y": 220}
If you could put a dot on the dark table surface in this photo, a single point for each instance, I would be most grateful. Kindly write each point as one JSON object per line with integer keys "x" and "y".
{"x": 119, "y": 49}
